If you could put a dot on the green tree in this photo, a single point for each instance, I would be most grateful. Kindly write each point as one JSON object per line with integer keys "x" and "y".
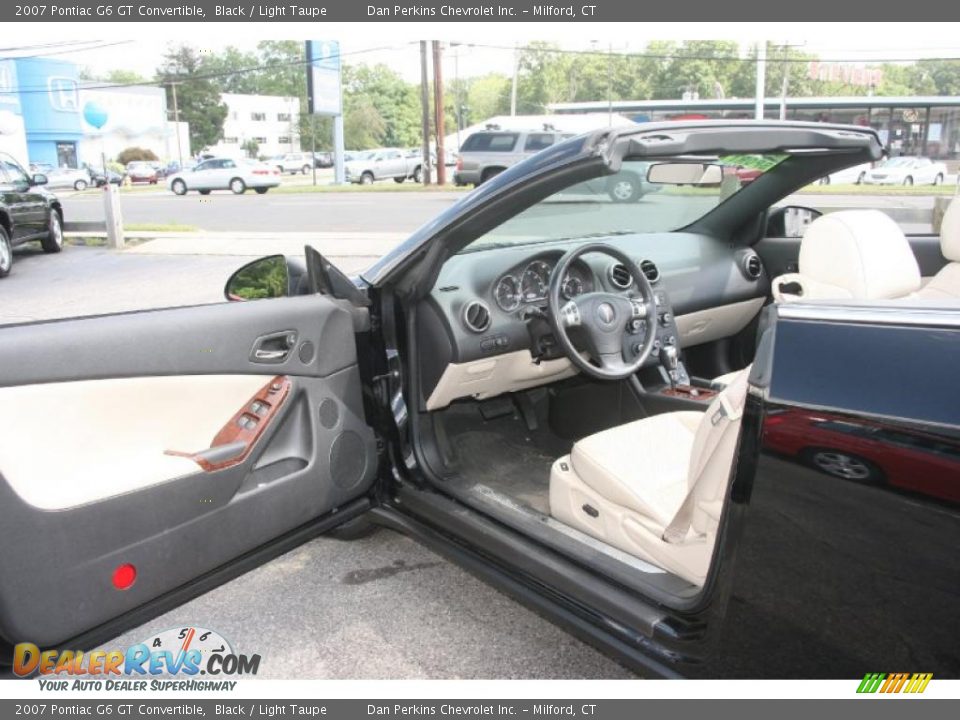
{"x": 396, "y": 102}
{"x": 198, "y": 98}
{"x": 251, "y": 147}
{"x": 363, "y": 126}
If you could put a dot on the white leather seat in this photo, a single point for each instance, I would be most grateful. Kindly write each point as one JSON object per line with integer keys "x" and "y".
{"x": 852, "y": 255}
{"x": 945, "y": 285}
{"x": 655, "y": 488}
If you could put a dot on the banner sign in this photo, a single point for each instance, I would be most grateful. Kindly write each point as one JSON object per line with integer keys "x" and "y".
{"x": 323, "y": 77}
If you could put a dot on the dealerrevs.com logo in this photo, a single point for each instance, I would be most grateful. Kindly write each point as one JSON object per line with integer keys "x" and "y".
{"x": 174, "y": 659}
{"x": 910, "y": 683}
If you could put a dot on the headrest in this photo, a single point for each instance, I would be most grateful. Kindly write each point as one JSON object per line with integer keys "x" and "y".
{"x": 950, "y": 232}
{"x": 858, "y": 254}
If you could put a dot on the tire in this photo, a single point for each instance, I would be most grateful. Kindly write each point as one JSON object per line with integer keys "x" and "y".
{"x": 6, "y": 252}
{"x": 53, "y": 242}
{"x": 355, "y": 529}
{"x": 366, "y": 178}
{"x": 261, "y": 191}
{"x": 843, "y": 465}
{"x": 861, "y": 177}
{"x": 179, "y": 187}
{"x": 418, "y": 174}
{"x": 399, "y": 180}
{"x": 203, "y": 192}
{"x": 488, "y": 174}
{"x": 238, "y": 186}
{"x": 624, "y": 188}
{"x": 907, "y": 181}
{"x": 80, "y": 185}
{"x": 825, "y": 180}
{"x": 938, "y": 180}
{"x": 305, "y": 169}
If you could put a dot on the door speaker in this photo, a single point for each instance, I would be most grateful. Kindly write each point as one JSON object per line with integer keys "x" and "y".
{"x": 329, "y": 413}
{"x": 348, "y": 460}
{"x": 306, "y": 352}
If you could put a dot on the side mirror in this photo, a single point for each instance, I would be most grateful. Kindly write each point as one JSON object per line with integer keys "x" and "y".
{"x": 38, "y": 179}
{"x": 790, "y": 221}
{"x": 266, "y": 277}
{"x": 678, "y": 173}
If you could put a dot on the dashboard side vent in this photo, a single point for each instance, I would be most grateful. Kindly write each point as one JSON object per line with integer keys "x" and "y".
{"x": 752, "y": 266}
{"x": 476, "y": 316}
{"x": 648, "y": 268}
{"x": 620, "y": 276}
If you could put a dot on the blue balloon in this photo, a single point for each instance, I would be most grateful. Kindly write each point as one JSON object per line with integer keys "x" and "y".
{"x": 95, "y": 114}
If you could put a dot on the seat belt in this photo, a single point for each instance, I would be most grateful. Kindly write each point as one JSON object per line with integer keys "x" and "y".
{"x": 722, "y": 419}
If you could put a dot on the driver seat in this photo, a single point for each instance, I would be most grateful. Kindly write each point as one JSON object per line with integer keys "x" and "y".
{"x": 655, "y": 488}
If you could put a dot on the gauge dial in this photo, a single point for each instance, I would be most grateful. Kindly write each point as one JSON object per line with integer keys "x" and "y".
{"x": 507, "y": 293}
{"x": 572, "y": 286}
{"x": 534, "y": 281}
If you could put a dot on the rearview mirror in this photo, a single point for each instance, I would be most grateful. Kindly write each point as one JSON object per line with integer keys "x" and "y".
{"x": 677, "y": 173}
{"x": 39, "y": 179}
{"x": 266, "y": 277}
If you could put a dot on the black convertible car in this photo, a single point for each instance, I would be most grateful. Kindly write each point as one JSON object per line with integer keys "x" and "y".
{"x": 566, "y": 395}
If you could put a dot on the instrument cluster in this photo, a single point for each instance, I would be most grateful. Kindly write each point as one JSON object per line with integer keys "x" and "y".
{"x": 529, "y": 284}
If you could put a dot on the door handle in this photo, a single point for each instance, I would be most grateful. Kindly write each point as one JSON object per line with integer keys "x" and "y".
{"x": 274, "y": 348}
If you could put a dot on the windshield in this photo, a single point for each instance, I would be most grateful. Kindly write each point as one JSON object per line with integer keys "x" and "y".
{"x": 897, "y": 162}
{"x": 635, "y": 200}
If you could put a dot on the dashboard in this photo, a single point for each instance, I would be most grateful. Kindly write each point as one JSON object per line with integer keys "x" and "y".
{"x": 483, "y": 331}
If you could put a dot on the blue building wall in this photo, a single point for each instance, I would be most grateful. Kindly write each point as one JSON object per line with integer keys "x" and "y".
{"x": 50, "y": 105}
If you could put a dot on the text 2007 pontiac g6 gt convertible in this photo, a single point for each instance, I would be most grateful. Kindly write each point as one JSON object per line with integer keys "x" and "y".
{"x": 569, "y": 396}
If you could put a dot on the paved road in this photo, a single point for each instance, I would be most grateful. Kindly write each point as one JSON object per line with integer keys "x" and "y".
{"x": 360, "y": 211}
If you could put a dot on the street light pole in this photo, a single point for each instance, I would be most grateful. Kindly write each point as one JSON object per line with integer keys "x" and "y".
{"x": 176, "y": 122}
{"x": 761, "y": 79}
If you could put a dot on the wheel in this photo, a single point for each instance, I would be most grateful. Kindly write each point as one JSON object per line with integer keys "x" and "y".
{"x": 203, "y": 192}
{"x": 843, "y": 465}
{"x": 305, "y": 169}
{"x": 418, "y": 174}
{"x": 861, "y": 177}
{"x": 908, "y": 180}
{"x": 80, "y": 185}
{"x": 624, "y": 188}
{"x": 938, "y": 180}
{"x": 238, "y": 186}
{"x": 53, "y": 242}
{"x": 489, "y": 173}
{"x": 6, "y": 252}
{"x": 179, "y": 187}
{"x": 399, "y": 180}
{"x": 354, "y": 529}
{"x": 825, "y": 180}
{"x": 261, "y": 191}
{"x": 366, "y": 178}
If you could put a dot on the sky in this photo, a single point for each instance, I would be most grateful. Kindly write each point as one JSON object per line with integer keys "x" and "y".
{"x": 142, "y": 54}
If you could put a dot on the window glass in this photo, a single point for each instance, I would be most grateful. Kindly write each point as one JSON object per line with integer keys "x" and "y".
{"x": 492, "y": 142}
{"x": 538, "y": 141}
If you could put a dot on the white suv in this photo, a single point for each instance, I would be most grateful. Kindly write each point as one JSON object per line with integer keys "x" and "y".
{"x": 293, "y": 162}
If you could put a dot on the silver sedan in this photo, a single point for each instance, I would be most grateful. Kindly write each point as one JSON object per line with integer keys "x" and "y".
{"x": 225, "y": 174}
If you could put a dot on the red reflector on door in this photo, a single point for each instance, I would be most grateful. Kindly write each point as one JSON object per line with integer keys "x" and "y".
{"x": 124, "y": 576}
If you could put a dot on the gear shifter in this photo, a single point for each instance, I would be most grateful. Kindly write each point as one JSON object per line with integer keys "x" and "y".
{"x": 670, "y": 358}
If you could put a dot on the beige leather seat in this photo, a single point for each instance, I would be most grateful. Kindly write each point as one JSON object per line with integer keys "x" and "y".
{"x": 655, "y": 488}
{"x": 945, "y": 285}
{"x": 851, "y": 255}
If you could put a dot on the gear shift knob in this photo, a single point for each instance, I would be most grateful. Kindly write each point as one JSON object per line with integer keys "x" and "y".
{"x": 670, "y": 358}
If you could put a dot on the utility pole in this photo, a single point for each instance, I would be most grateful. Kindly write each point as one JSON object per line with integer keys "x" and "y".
{"x": 513, "y": 87}
{"x": 425, "y": 113}
{"x": 784, "y": 86}
{"x": 610, "y": 85}
{"x": 456, "y": 89}
{"x": 439, "y": 121}
{"x": 176, "y": 121}
{"x": 761, "y": 79}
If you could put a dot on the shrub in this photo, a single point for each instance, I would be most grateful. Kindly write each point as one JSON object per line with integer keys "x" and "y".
{"x": 132, "y": 154}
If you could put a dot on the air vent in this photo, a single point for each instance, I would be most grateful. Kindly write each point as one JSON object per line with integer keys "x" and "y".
{"x": 476, "y": 316}
{"x": 648, "y": 268}
{"x": 620, "y": 276}
{"x": 752, "y": 266}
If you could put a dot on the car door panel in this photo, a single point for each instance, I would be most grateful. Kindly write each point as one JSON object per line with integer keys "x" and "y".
{"x": 124, "y": 451}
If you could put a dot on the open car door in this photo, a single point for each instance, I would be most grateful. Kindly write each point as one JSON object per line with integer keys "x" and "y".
{"x": 142, "y": 451}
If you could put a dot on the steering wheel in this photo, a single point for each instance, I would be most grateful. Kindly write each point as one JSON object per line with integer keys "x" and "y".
{"x": 604, "y": 317}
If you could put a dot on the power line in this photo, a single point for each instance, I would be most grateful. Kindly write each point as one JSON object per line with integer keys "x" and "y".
{"x": 69, "y": 50}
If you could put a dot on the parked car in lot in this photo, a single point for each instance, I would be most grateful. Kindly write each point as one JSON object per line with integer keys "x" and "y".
{"x": 383, "y": 164}
{"x": 323, "y": 159}
{"x": 99, "y": 179}
{"x": 140, "y": 171}
{"x": 569, "y": 398}
{"x": 28, "y": 212}
{"x": 293, "y": 162}
{"x": 906, "y": 171}
{"x": 488, "y": 153}
{"x": 78, "y": 179}
{"x": 854, "y": 175}
{"x": 225, "y": 174}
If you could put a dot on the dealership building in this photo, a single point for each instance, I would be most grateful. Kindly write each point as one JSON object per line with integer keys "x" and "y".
{"x": 909, "y": 125}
